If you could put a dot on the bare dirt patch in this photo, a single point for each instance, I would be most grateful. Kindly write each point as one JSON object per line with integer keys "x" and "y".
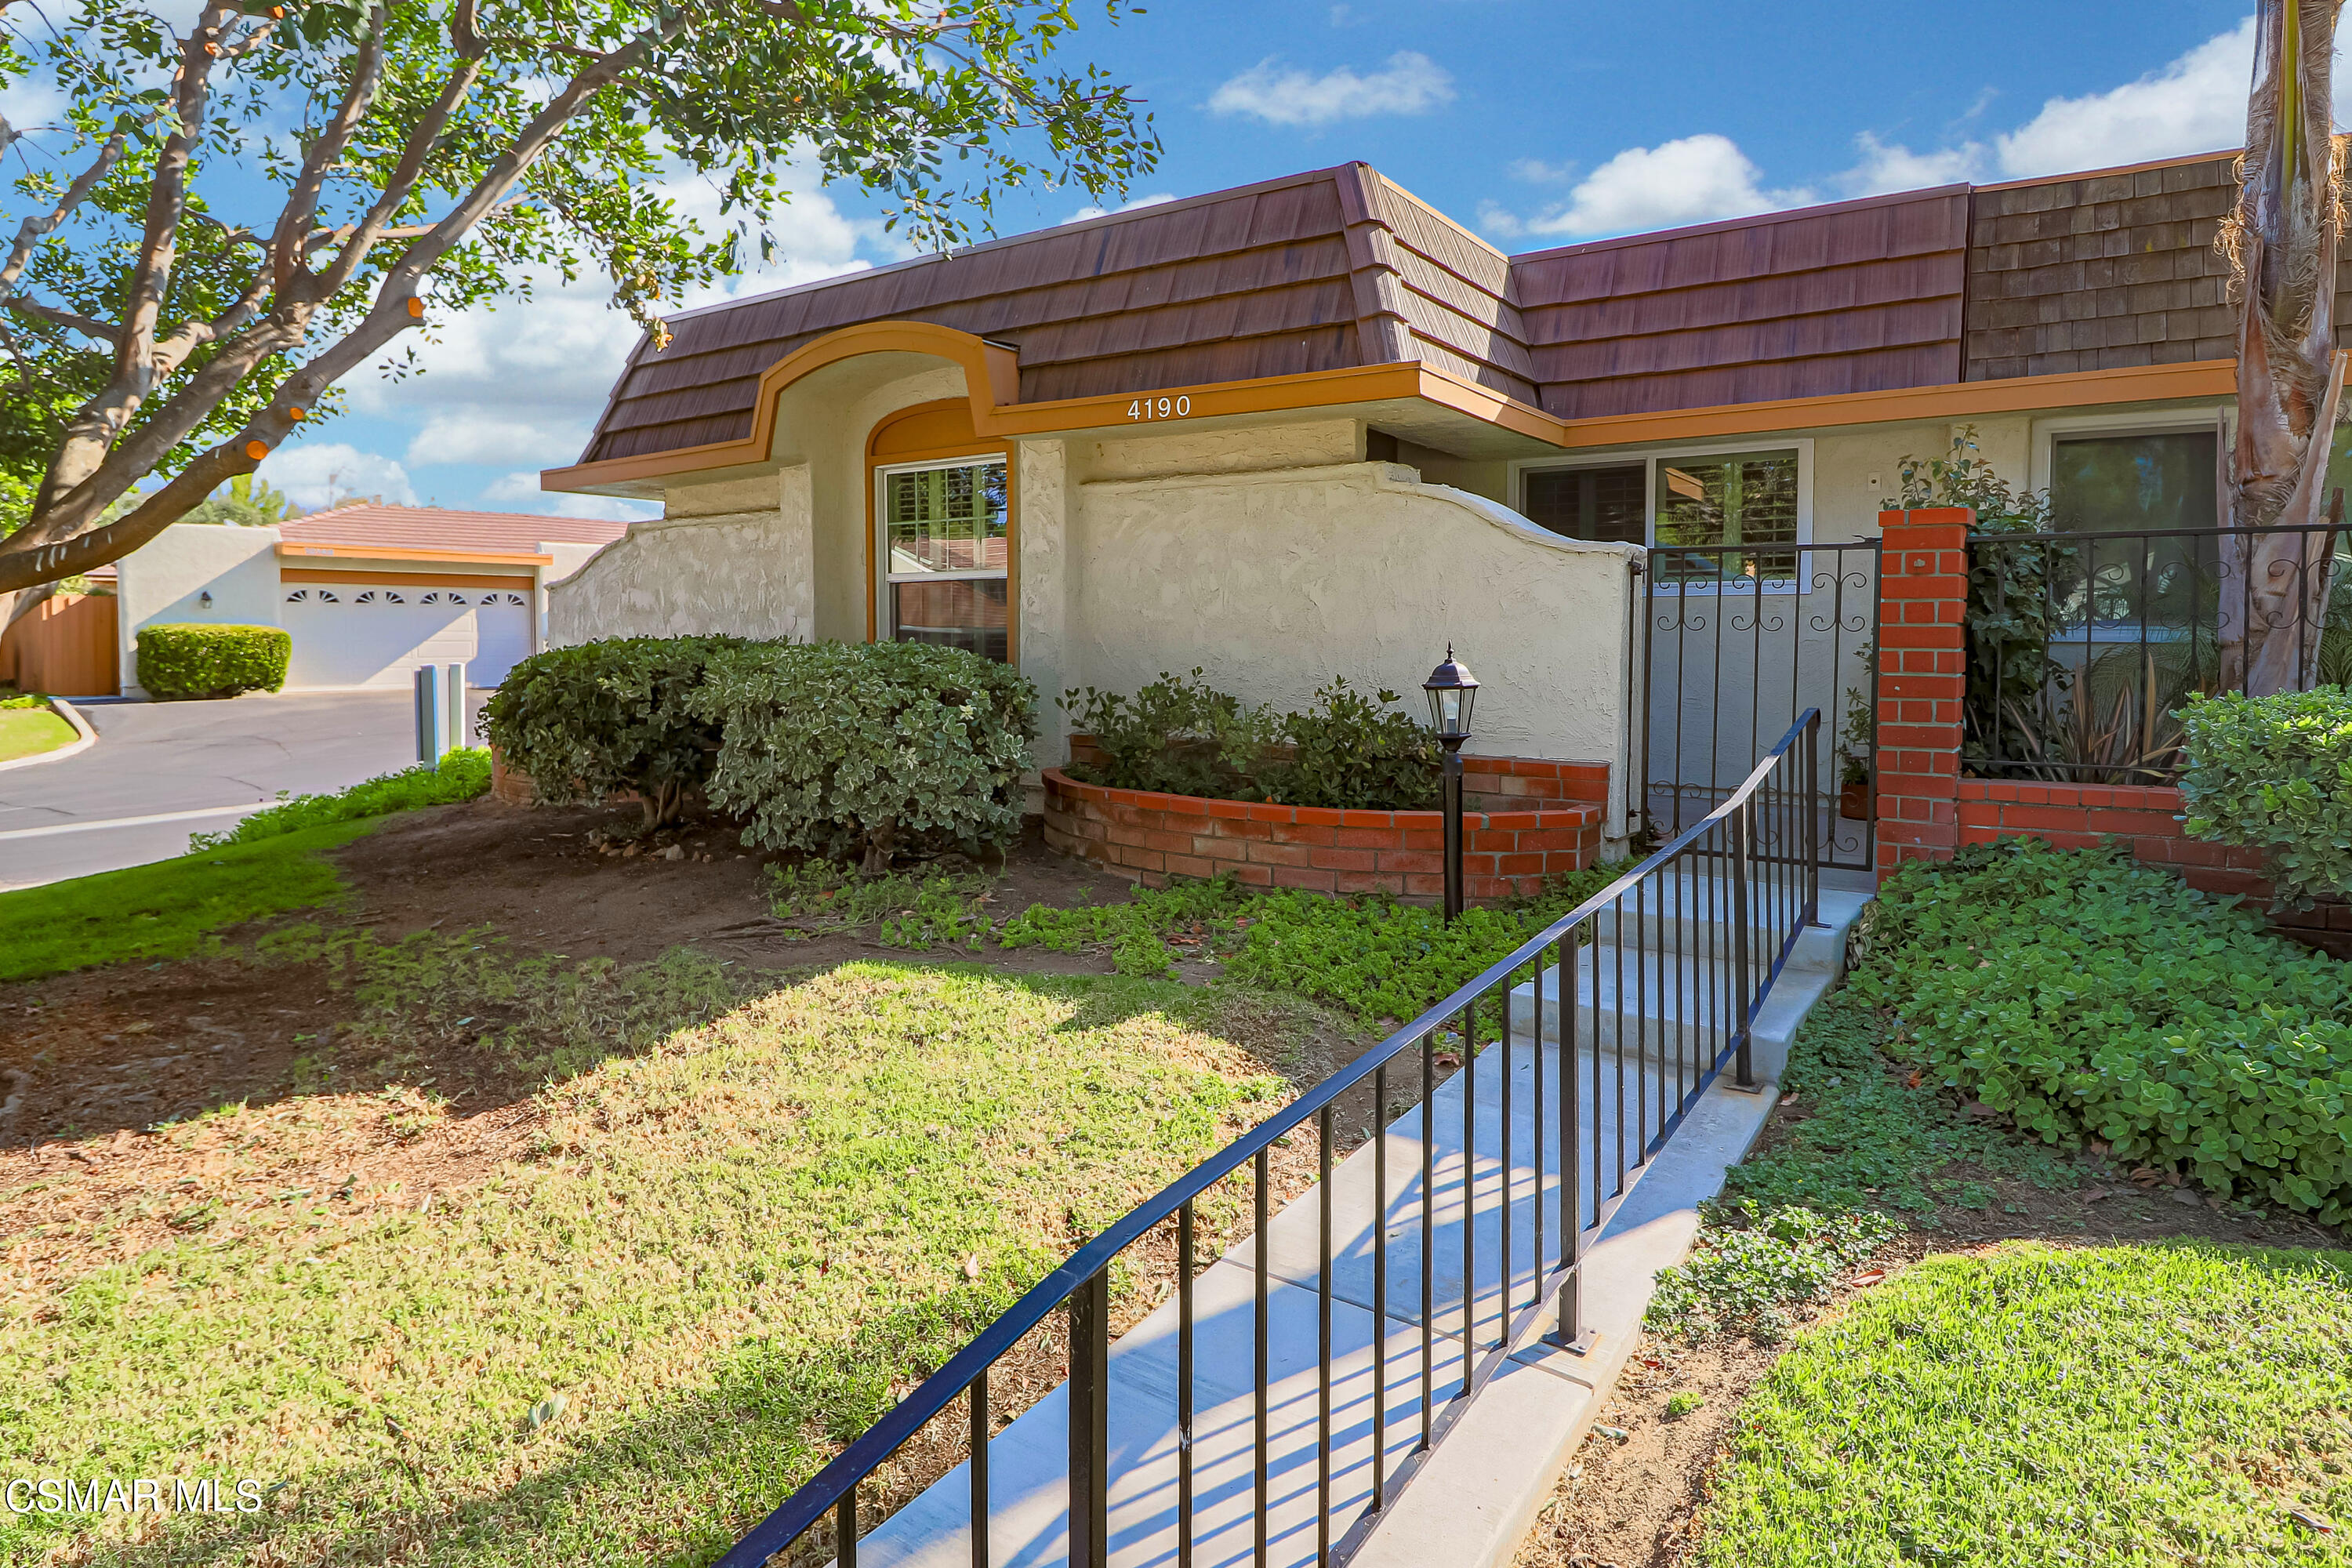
{"x": 1633, "y": 1491}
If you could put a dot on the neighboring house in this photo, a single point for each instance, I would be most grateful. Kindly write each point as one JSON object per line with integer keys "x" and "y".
{"x": 1314, "y": 428}
{"x": 368, "y": 593}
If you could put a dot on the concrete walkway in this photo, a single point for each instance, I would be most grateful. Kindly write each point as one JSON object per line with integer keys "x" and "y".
{"x": 1472, "y": 1502}
{"x": 1028, "y": 1518}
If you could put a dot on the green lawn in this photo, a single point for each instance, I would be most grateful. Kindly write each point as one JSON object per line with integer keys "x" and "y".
{"x": 169, "y": 909}
{"x": 28, "y": 731}
{"x": 2099, "y": 1408}
{"x": 730, "y": 1237}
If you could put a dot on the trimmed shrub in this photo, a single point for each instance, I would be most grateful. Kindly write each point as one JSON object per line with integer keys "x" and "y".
{"x": 1184, "y": 736}
{"x": 2274, "y": 773}
{"x": 600, "y": 716}
{"x": 461, "y": 774}
{"x": 867, "y": 750}
{"x": 188, "y": 660}
{"x": 2090, "y": 996}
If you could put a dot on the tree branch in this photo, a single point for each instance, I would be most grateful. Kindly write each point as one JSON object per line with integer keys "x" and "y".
{"x": 285, "y": 254}
{"x": 91, "y": 431}
{"x": 362, "y": 237}
{"x": 104, "y": 332}
{"x": 31, "y": 232}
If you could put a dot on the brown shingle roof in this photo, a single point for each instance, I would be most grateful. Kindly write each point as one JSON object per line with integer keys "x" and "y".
{"x": 435, "y": 527}
{"x": 1340, "y": 267}
{"x": 1857, "y": 296}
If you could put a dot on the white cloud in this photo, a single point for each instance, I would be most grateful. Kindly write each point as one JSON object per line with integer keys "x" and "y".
{"x": 524, "y": 383}
{"x": 1890, "y": 166}
{"x": 1151, "y": 201}
{"x": 2196, "y": 104}
{"x": 519, "y": 491}
{"x": 313, "y": 477}
{"x": 1535, "y": 171}
{"x": 1695, "y": 179}
{"x": 1411, "y": 83}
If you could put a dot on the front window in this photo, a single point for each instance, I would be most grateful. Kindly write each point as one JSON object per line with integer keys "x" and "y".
{"x": 1714, "y": 508}
{"x": 946, "y": 536}
{"x": 1604, "y": 505}
{"x": 2157, "y": 494}
{"x": 1727, "y": 519}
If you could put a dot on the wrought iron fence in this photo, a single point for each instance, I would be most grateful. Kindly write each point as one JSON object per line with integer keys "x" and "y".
{"x": 1652, "y": 988}
{"x": 2084, "y": 646}
{"x": 1741, "y": 639}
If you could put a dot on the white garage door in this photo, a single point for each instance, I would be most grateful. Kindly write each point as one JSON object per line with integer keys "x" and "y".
{"x": 503, "y": 621}
{"x": 348, "y": 635}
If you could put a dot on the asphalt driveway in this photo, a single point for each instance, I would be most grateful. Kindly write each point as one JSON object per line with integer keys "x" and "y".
{"x": 161, "y": 771}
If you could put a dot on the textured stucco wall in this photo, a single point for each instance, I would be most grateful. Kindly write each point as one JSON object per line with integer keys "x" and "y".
{"x": 161, "y": 582}
{"x": 730, "y": 557}
{"x": 1300, "y": 446}
{"x": 1277, "y": 582}
{"x": 773, "y": 555}
{"x": 1046, "y": 586}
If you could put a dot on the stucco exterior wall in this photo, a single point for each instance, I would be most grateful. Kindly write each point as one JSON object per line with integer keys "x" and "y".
{"x": 1277, "y": 582}
{"x": 1288, "y": 446}
{"x": 162, "y": 581}
{"x": 729, "y": 557}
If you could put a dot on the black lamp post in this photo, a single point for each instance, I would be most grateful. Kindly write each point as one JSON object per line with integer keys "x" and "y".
{"x": 1452, "y": 691}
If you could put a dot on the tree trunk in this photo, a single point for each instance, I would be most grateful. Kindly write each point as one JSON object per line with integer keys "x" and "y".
{"x": 2281, "y": 239}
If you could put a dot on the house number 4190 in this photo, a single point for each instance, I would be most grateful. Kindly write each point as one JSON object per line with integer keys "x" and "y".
{"x": 1160, "y": 408}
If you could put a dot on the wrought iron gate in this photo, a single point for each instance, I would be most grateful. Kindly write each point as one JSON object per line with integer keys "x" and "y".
{"x": 1739, "y": 639}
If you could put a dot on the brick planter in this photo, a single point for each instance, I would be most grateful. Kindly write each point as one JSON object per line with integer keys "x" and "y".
{"x": 1152, "y": 837}
{"x": 2146, "y": 817}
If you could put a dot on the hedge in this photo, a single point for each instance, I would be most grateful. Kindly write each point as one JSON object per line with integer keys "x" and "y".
{"x": 197, "y": 661}
{"x": 587, "y": 721}
{"x": 867, "y": 749}
{"x": 2274, "y": 773}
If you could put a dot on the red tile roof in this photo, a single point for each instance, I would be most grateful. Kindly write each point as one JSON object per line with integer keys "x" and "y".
{"x": 436, "y": 527}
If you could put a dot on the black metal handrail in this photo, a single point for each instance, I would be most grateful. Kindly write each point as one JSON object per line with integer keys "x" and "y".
{"x": 2084, "y": 643}
{"x": 1761, "y": 901}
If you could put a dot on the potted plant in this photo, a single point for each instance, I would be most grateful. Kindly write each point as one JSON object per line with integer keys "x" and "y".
{"x": 1856, "y": 739}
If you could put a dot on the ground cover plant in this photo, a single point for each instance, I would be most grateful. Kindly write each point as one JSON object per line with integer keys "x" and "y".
{"x": 1181, "y": 735}
{"x": 28, "y": 726}
{"x": 2091, "y": 998}
{"x": 461, "y": 774}
{"x": 171, "y": 908}
{"x": 745, "y": 1214}
{"x": 1371, "y": 957}
{"x": 2166, "y": 1403}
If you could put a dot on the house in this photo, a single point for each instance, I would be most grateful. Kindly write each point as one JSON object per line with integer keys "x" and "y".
{"x": 367, "y": 592}
{"x": 1312, "y": 427}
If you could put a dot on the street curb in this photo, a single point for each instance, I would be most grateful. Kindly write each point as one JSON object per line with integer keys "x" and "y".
{"x": 72, "y": 716}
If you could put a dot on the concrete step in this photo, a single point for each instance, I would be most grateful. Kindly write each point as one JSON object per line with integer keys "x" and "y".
{"x": 1666, "y": 1003}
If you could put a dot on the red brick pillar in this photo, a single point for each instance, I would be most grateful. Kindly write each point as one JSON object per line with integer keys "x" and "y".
{"x": 1922, "y": 681}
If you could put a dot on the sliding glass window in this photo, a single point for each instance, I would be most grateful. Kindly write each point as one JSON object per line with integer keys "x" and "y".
{"x": 946, "y": 536}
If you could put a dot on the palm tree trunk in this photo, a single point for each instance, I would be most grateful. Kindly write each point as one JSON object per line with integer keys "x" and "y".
{"x": 2281, "y": 239}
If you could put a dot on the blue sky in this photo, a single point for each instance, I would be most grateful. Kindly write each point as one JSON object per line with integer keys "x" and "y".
{"x": 1539, "y": 122}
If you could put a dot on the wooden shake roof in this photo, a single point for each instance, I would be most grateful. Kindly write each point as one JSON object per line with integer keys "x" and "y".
{"x": 1339, "y": 268}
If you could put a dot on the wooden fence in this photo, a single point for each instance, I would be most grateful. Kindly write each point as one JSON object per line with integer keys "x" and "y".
{"x": 64, "y": 646}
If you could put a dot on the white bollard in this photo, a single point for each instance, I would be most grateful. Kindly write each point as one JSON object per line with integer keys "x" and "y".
{"x": 454, "y": 733}
{"x": 432, "y": 716}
